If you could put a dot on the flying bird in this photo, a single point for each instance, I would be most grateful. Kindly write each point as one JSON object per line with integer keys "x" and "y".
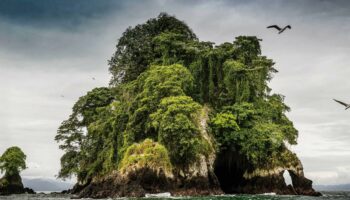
{"x": 93, "y": 78}
{"x": 62, "y": 96}
{"x": 280, "y": 30}
{"x": 342, "y": 103}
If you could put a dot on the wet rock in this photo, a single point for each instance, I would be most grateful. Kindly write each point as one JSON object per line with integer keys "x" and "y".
{"x": 303, "y": 186}
{"x": 138, "y": 183}
{"x": 236, "y": 175}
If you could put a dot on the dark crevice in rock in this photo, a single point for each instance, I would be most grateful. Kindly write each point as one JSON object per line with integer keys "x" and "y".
{"x": 229, "y": 168}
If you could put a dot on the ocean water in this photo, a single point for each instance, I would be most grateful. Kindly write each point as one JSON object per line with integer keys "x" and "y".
{"x": 326, "y": 196}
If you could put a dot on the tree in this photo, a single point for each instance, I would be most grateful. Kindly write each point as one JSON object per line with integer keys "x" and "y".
{"x": 72, "y": 133}
{"x": 225, "y": 129}
{"x": 175, "y": 122}
{"x": 12, "y": 161}
{"x": 135, "y": 52}
{"x": 155, "y": 84}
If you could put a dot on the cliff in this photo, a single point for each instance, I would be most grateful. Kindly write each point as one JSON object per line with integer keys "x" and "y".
{"x": 200, "y": 180}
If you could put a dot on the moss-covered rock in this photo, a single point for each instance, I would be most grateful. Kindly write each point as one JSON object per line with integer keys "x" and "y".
{"x": 146, "y": 154}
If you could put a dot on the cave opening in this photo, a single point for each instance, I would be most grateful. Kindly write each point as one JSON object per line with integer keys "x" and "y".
{"x": 229, "y": 169}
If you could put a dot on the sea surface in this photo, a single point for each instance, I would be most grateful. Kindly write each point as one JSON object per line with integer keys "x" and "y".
{"x": 326, "y": 196}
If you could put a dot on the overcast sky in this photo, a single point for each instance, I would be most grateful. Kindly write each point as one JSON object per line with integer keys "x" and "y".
{"x": 50, "y": 48}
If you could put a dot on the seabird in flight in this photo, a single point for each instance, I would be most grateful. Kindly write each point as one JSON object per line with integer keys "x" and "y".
{"x": 342, "y": 103}
{"x": 280, "y": 30}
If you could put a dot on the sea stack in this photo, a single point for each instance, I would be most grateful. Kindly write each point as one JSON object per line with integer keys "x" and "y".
{"x": 182, "y": 116}
{"x": 12, "y": 161}
{"x": 13, "y": 185}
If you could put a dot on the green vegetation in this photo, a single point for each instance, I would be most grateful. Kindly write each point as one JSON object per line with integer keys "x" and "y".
{"x": 135, "y": 49}
{"x": 146, "y": 154}
{"x": 162, "y": 77}
{"x": 175, "y": 123}
{"x": 12, "y": 162}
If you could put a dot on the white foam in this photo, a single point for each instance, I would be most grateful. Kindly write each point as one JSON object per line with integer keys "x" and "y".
{"x": 158, "y": 195}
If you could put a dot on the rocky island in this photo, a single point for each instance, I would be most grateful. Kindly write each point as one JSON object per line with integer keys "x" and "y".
{"x": 182, "y": 116}
{"x": 12, "y": 162}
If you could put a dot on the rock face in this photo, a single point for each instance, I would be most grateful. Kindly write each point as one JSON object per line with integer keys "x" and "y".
{"x": 13, "y": 185}
{"x": 245, "y": 179}
{"x": 302, "y": 185}
{"x": 274, "y": 182}
{"x": 211, "y": 174}
{"x": 138, "y": 183}
{"x": 200, "y": 179}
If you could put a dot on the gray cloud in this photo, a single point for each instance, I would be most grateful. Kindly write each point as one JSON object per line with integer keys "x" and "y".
{"x": 49, "y": 49}
{"x": 56, "y": 13}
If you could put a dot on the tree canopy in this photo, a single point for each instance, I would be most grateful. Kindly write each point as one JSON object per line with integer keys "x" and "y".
{"x": 12, "y": 161}
{"x": 162, "y": 77}
{"x": 135, "y": 49}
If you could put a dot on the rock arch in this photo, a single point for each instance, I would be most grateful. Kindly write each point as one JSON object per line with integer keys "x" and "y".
{"x": 235, "y": 176}
{"x": 287, "y": 178}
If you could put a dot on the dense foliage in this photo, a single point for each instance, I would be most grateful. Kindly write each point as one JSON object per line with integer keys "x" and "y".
{"x": 12, "y": 161}
{"x": 146, "y": 154}
{"x": 162, "y": 78}
{"x": 135, "y": 49}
